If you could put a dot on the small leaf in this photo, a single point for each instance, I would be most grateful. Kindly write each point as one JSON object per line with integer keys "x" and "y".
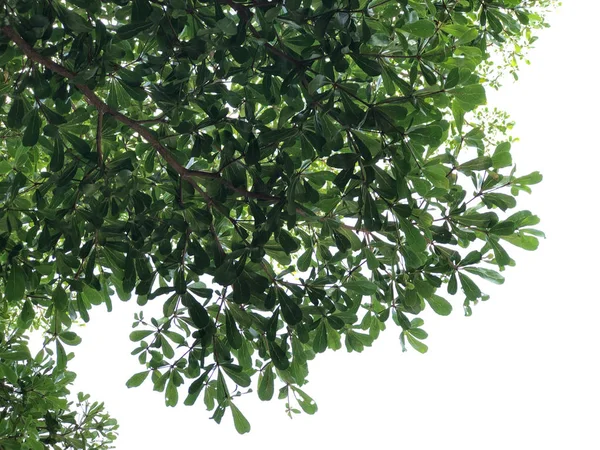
{"x": 60, "y": 299}
{"x": 129, "y": 31}
{"x": 303, "y": 262}
{"x": 532, "y": 178}
{"x": 469, "y": 97}
{"x": 343, "y": 160}
{"x": 233, "y": 334}
{"x": 320, "y": 340}
{"x": 439, "y": 304}
{"x": 317, "y": 82}
{"x": 470, "y": 289}
{"x": 363, "y": 287}
{"x": 416, "y": 344}
{"x": 138, "y": 335}
{"x": 481, "y": 163}
{"x": 137, "y": 379}
{"x": 16, "y": 113}
{"x": 240, "y": 422}
{"x": 27, "y": 313}
{"x": 369, "y": 66}
{"x": 290, "y": 311}
{"x": 472, "y": 258}
{"x": 69, "y": 338}
{"x": 32, "y": 132}
{"x": 198, "y": 314}
{"x": 420, "y": 28}
{"x": 486, "y": 274}
{"x": 15, "y": 284}
{"x": 266, "y": 385}
{"x": 236, "y": 374}
{"x": 278, "y": 356}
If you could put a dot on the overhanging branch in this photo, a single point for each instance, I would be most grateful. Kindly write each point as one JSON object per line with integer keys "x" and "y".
{"x": 145, "y": 133}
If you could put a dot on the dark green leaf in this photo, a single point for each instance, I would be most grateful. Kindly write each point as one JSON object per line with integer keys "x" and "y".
{"x": 470, "y": 289}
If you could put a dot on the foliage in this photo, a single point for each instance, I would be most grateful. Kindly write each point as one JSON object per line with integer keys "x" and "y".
{"x": 283, "y": 176}
{"x": 34, "y": 410}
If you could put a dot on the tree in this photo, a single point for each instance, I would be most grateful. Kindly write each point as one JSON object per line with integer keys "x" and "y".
{"x": 281, "y": 175}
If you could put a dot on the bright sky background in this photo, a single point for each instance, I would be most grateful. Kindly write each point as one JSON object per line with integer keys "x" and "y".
{"x": 521, "y": 373}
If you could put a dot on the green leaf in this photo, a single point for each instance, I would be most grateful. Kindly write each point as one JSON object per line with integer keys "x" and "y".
{"x": 304, "y": 260}
{"x": 505, "y": 228}
{"x": 138, "y": 335}
{"x": 470, "y": 289}
{"x": 226, "y": 273}
{"x": 32, "y": 132}
{"x": 307, "y": 404}
{"x": 129, "y": 31}
{"x": 437, "y": 174}
{"x": 15, "y": 284}
{"x": 439, "y": 304}
{"x": 363, "y": 287}
{"x": 469, "y": 97}
{"x": 17, "y": 355}
{"x": 266, "y": 383}
{"x": 414, "y": 238}
{"x": 57, "y": 161}
{"x": 78, "y": 144}
{"x": 532, "y": 178}
{"x": 60, "y": 299}
{"x": 278, "y": 356}
{"x": 290, "y": 311}
{"x": 236, "y": 374}
{"x": 15, "y": 116}
{"x": 416, "y": 344}
{"x": 371, "y": 217}
{"x": 502, "y": 258}
{"x": 27, "y": 313}
{"x": 320, "y": 340}
{"x": 421, "y": 28}
{"x": 317, "y": 82}
{"x": 137, "y": 379}
{"x": 288, "y": 243}
{"x": 501, "y": 157}
{"x": 233, "y": 334}
{"x": 198, "y": 314}
{"x": 343, "y": 160}
{"x": 369, "y": 66}
{"x": 486, "y": 274}
{"x": 69, "y": 338}
{"x": 481, "y": 163}
{"x": 472, "y": 258}
{"x": 240, "y": 422}
{"x": 523, "y": 241}
{"x": 484, "y": 220}
{"x": 171, "y": 394}
{"x": 452, "y": 284}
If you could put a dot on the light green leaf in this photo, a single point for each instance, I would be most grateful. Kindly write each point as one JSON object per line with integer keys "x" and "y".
{"x": 421, "y": 28}
{"x": 239, "y": 420}
{"x": 439, "y": 304}
{"x": 137, "y": 379}
{"x": 363, "y": 287}
{"x": 469, "y": 97}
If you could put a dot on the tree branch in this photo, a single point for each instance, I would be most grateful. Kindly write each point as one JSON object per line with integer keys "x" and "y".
{"x": 144, "y": 132}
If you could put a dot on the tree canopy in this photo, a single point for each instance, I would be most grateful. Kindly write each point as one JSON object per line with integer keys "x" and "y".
{"x": 285, "y": 177}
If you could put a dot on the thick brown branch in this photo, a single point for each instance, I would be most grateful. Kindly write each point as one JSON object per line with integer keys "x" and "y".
{"x": 136, "y": 126}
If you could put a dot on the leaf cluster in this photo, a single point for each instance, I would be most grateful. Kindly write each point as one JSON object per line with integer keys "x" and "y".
{"x": 282, "y": 177}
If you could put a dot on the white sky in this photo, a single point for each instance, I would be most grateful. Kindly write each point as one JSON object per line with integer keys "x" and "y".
{"x": 519, "y": 374}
